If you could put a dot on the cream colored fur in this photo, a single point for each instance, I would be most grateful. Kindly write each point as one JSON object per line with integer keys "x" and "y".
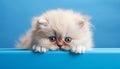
{"x": 59, "y": 23}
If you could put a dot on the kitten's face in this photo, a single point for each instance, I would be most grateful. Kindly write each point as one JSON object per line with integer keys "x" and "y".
{"x": 60, "y": 32}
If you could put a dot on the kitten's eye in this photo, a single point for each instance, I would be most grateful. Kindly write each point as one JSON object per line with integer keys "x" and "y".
{"x": 68, "y": 39}
{"x": 52, "y": 38}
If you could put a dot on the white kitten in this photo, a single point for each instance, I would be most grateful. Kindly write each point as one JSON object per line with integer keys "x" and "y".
{"x": 59, "y": 29}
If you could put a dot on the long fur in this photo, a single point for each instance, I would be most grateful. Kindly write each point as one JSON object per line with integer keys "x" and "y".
{"x": 60, "y": 23}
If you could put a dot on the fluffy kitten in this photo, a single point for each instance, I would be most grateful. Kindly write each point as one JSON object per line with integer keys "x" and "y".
{"x": 58, "y": 29}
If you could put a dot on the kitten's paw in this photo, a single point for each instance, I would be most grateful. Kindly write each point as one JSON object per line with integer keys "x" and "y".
{"x": 78, "y": 49}
{"x": 39, "y": 49}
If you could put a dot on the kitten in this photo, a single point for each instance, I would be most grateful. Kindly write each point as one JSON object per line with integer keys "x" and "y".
{"x": 59, "y": 29}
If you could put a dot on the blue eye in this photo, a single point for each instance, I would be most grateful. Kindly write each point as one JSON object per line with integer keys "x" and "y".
{"x": 52, "y": 38}
{"x": 68, "y": 39}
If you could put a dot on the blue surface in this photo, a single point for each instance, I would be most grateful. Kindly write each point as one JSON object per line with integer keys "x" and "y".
{"x": 16, "y": 15}
{"x": 98, "y": 58}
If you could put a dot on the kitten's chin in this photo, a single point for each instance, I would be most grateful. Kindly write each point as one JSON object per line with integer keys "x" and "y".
{"x": 54, "y": 48}
{"x": 65, "y": 47}
{"x": 57, "y": 48}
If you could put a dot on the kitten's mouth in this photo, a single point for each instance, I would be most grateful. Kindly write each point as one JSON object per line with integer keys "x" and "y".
{"x": 60, "y": 48}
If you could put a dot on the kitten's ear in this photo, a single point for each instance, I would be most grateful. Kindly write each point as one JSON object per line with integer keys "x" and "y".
{"x": 86, "y": 18}
{"x": 81, "y": 23}
{"x": 40, "y": 23}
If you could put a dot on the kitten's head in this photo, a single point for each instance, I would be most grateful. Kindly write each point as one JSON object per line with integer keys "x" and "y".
{"x": 61, "y": 29}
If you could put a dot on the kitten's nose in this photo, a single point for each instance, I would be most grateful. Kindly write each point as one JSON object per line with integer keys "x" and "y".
{"x": 59, "y": 45}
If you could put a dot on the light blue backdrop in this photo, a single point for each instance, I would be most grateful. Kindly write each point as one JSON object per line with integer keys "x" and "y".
{"x": 16, "y": 15}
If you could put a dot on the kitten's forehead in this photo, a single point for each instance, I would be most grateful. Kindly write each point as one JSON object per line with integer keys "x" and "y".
{"x": 63, "y": 29}
{"x": 62, "y": 22}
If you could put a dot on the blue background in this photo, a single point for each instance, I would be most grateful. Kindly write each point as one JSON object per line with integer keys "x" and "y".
{"x": 16, "y": 15}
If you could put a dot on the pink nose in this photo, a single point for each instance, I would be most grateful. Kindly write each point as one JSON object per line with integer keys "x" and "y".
{"x": 59, "y": 46}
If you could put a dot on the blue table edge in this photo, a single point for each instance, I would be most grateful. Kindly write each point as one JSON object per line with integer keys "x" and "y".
{"x": 94, "y": 50}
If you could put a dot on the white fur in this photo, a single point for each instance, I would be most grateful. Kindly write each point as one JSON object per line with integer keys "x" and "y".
{"x": 39, "y": 48}
{"x": 59, "y": 23}
{"x": 42, "y": 21}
